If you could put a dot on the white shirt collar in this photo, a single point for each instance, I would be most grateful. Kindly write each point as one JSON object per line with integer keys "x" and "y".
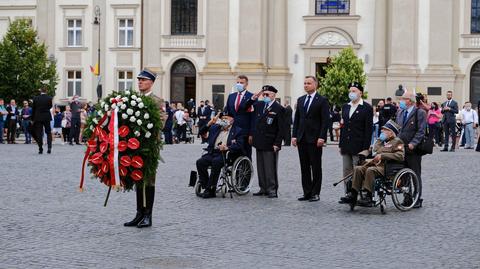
{"x": 312, "y": 94}
{"x": 359, "y": 103}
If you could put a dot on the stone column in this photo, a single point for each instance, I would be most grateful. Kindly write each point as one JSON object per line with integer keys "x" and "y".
{"x": 277, "y": 35}
{"x": 440, "y": 37}
{"x": 217, "y": 35}
{"x": 252, "y": 38}
{"x": 380, "y": 35}
{"x": 403, "y": 37}
{"x": 151, "y": 34}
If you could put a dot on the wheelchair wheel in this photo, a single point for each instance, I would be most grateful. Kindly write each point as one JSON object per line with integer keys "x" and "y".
{"x": 242, "y": 173}
{"x": 405, "y": 189}
{"x": 198, "y": 189}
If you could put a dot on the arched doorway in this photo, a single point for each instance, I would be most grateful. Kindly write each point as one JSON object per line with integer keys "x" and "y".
{"x": 475, "y": 84}
{"x": 182, "y": 81}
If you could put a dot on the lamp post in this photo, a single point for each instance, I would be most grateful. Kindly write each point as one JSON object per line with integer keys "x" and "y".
{"x": 97, "y": 22}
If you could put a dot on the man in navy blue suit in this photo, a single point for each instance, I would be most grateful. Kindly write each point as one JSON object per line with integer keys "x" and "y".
{"x": 242, "y": 113}
{"x": 223, "y": 136}
{"x": 204, "y": 114}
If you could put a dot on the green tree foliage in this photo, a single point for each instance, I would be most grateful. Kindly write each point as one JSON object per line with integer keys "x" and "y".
{"x": 344, "y": 68}
{"x": 24, "y": 64}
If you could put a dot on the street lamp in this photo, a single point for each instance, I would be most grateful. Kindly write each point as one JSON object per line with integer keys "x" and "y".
{"x": 96, "y": 21}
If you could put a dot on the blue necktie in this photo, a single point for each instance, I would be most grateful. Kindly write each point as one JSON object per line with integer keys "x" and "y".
{"x": 405, "y": 117}
{"x": 305, "y": 108}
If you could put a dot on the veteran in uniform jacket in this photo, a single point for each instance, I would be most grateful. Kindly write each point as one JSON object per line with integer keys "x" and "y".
{"x": 268, "y": 132}
{"x": 143, "y": 218}
{"x": 388, "y": 147}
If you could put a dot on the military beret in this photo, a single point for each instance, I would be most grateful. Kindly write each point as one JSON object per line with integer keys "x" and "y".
{"x": 269, "y": 88}
{"x": 356, "y": 85}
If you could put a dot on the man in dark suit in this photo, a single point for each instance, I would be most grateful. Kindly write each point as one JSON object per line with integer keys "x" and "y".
{"x": 449, "y": 109}
{"x": 268, "y": 133}
{"x": 204, "y": 114}
{"x": 13, "y": 117}
{"x": 413, "y": 124}
{"x": 287, "y": 139}
{"x": 309, "y": 134}
{"x": 356, "y": 131}
{"x": 76, "y": 107}
{"x": 222, "y": 137}
{"x": 42, "y": 116}
{"x": 243, "y": 114}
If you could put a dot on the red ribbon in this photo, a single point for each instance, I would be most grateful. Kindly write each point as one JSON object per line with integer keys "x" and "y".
{"x": 89, "y": 149}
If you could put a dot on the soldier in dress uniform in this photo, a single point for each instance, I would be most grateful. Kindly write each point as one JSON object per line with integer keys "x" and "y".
{"x": 143, "y": 218}
{"x": 268, "y": 132}
{"x": 387, "y": 147}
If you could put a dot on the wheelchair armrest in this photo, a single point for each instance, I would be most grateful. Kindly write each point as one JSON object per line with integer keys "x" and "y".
{"x": 392, "y": 167}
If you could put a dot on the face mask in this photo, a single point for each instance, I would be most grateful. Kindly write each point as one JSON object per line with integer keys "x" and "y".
{"x": 239, "y": 87}
{"x": 382, "y": 137}
{"x": 352, "y": 96}
{"x": 266, "y": 99}
{"x": 201, "y": 105}
{"x": 403, "y": 105}
{"x": 223, "y": 123}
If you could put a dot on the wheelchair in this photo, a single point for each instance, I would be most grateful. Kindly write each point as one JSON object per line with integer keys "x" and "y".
{"x": 235, "y": 176}
{"x": 399, "y": 182}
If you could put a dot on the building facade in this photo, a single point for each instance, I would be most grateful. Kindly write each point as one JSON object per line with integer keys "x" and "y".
{"x": 198, "y": 47}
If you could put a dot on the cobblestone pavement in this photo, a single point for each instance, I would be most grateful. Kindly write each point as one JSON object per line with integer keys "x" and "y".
{"x": 47, "y": 223}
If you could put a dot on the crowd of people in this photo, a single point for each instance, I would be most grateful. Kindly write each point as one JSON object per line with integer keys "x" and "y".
{"x": 65, "y": 122}
{"x": 388, "y": 131}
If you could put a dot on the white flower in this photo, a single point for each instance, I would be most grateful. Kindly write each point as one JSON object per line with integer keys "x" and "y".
{"x": 130, "y": 111}
{"x": 102, "y": 103}
{"x": 114, "y": 106}
{"x": 146, "y": 116}
{"x": 92, "y": 128}
{"x": 133, "y": 103}
{"x": 134, "y": 97}
{"x": 100, "y": 113}
{"x": 137, "y": 113}
{"x": 150, "y": 125}
{"x": 132, "y": 119}
{"x": 137, "y": 133}
{"x": 107, "y": 107}
{"x": 95, "y": 120}
{"x": 139, "y": 100}
{"x": 125, "y": 99}
{"x": 139, "y": 122}
{"x": 148, "y": 134}
{"x": 141, "y": 105}
{"x": 123, "y": 106}
{"x": 118, "y": 97}
{"x": 127, "y": 93}
{"x": 124, "y": 116}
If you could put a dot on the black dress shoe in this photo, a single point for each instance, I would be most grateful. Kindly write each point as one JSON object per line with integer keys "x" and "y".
{"x": 452, "y": 149}
{"x": 145, "y": 222}
{"x": 40, "y": 151}
{"x": 135, "y": 220}
{"x": 49, "y": 151}
{"x": 209, "y": 194}
{"x": 260, "y": 193}
{"x": 272, "y": 195}
{"x": 347, "y": 199}
{"x": 314, "y": 198}
{"x": 304, "y": 198}
{"x": 444, "y": 149}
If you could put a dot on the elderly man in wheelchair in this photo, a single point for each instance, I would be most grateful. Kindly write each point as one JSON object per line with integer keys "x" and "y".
{"x": 225, "y": 143}
{"x": 374, "y": 176}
